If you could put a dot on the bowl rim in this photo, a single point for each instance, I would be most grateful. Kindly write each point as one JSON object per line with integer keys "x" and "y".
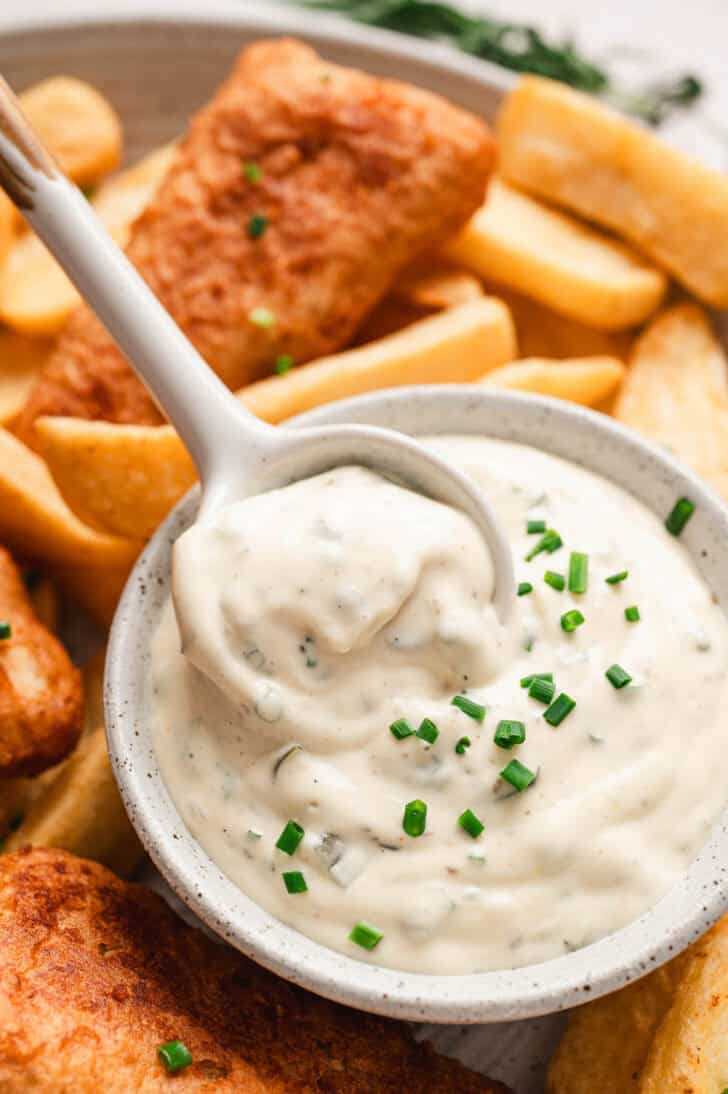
{"x": 692, "y": 904}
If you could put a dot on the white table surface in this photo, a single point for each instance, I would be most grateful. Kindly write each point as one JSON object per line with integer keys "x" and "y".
{"x": 647, "y": 39}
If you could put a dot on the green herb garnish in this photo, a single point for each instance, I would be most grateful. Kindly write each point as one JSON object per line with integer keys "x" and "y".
{"x": 283, "y": 364}
{"x": 681, "y": 513}
{"x": 174, "y": 1055}
{"x": 262, "y": 317}
{"x": 428, "y": 731}
{"x": 559, "y": 709}
{"x": 5, "y": 629}
{"x": 472, "y": 825}
{"x": 365, "y": 936}
{"x": 401, "y": 729}
{"x": 253, "y": 171}
{"x": 463, "y": 744}
{"x": 518, "y": 775}
{"x": 617, "y": 677}
{"x": 257, "y": 225}
{"x": 526, "y": 681}
{"x": 550, "y": 541}
{"x": 469, "y": 707}
{"x": 556, "y": 581}
{"x": 614, "y": 579}
{"x": 509, "y": 733}
{"x": 535, "y": 526}
{"x": 524, "y": 588}
{"x": 290, "y": 837}
{"x": 294, "y": 881}
{"x": 632, "y": 614}
{"x": 521, "y": 48}
{"x": 571, "y": 620}
{"x": 578, "y": 572}
{"x": 415, "y": 817}
{"x": 542, "y": 690}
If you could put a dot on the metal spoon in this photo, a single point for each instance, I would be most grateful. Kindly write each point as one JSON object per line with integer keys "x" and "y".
{"x": 236, "y": 455}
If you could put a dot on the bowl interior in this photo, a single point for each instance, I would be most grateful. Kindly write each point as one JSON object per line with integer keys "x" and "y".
{"x": 598, "y": 444}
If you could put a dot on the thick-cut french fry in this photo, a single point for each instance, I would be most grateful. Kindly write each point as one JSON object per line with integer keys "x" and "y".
{"x": 79, "y": 127}
{"x": 21, "y": 359}
{"x": 436, "y": 284}
{"x": 96, "y": 589}
{"x": 77, "y": 124}
{"x": 542, "y": 332}
{"x": 576, "y": 152}
{"x": 574, "y": 269}
{"x": 126, "y": 478}
{"x": 81, "y": 811}
{"x": 605, "y": 1044}
{"x": 585, "y": 380}
{"x": 35, "y": 522}
{"x": 676, "y": 391}
{"x": 689, "y": 1054}
{"x": 35, "y": 294}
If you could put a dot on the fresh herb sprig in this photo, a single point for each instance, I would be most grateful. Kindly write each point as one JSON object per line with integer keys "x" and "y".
{"x": 521, "y": 48}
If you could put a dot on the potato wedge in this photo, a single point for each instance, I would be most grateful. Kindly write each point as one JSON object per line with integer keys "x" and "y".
{"x": 77, "y": 124}
{"x": 36, "y": 297}
{"x": 676, "y": 391}
{"x": 578, "y": 153}
{"x": 605, "y": 1044}
{"x": 690, "y": 1050}
{"x": 81, "y": 811}
{"x": 95, "y": 589}
{"x": 36, "y": 522}
{"x": 517, "y": 241}
{"x": 127, "y": 478}
{"x": 435, "y": 284}
{"x": 542, "y": 332}
{"x": 21, "y": 359}
{"x": 585, "y": 380}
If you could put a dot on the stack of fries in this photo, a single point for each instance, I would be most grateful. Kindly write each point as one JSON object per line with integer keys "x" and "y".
{"x": 585, "y": 276}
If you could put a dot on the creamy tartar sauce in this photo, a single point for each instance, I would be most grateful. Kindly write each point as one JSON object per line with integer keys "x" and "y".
{"x": 305, "y": 726}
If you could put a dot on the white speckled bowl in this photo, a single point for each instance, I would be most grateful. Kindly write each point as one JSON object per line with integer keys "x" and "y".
{"x": 176, "y": 55}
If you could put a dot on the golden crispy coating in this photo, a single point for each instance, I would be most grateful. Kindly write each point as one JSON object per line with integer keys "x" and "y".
{"x": 41, "y": 699}
{"x": 95, "y": 973}
{"x": 360, "y": 176}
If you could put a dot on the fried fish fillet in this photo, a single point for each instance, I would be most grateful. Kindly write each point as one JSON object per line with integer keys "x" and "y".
{"x": 299, "y": 193}
{"x": 96, "y": 973}
{"x": 41, "y": 699}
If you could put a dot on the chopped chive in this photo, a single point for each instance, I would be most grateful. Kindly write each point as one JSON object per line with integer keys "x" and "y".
{"x": 262, "y": 317}
{"x": 294, "y": 881}
{"x": 617, "y": 677}
{"x": 472, "y": 825}
{"x": 174, "y": 1055}
{"x": 428, "y": 731}
{"x": 528, "y": 643}
{"x": 559, "y": 709}
{"x": 290, "y": 837}
{"x": 518, "y": 775}
{"x": 550, "y": 541}
{"x": 469, "y": 707}
{"x": 257, "y": 225}
{"x": 571, "y": 620}
{"x": 5, "y": 629}
{"x": 632, "y": 614}
{"x": 253, "y": 171}
{"x": 526, "y": 681}
{"x": 509, "y": 733}
{"x": 578, "y": 572}
{"x": 535, "y": 526}
{"x": 614, "y": 579}
{"x": 524, "y": 588}
{"x": 556, "y": 581}
{"x": 365, "y": 936}
{"x": 415, "y": 817}
{"x": 542, "y": 690}
{"x": 283, "y": 364}
{"x": 681, "y": 513}
{"x": 463, "y": 744}
{"x": 401, "y": 729}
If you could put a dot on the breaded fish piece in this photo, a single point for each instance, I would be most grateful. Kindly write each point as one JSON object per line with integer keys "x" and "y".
{"x": 41, "y": 698}
{"x": 96, "y": 973}
{"x": 354, "y": 176}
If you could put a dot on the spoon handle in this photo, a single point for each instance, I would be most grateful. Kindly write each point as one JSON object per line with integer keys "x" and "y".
{"x": 211, "y": 422}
